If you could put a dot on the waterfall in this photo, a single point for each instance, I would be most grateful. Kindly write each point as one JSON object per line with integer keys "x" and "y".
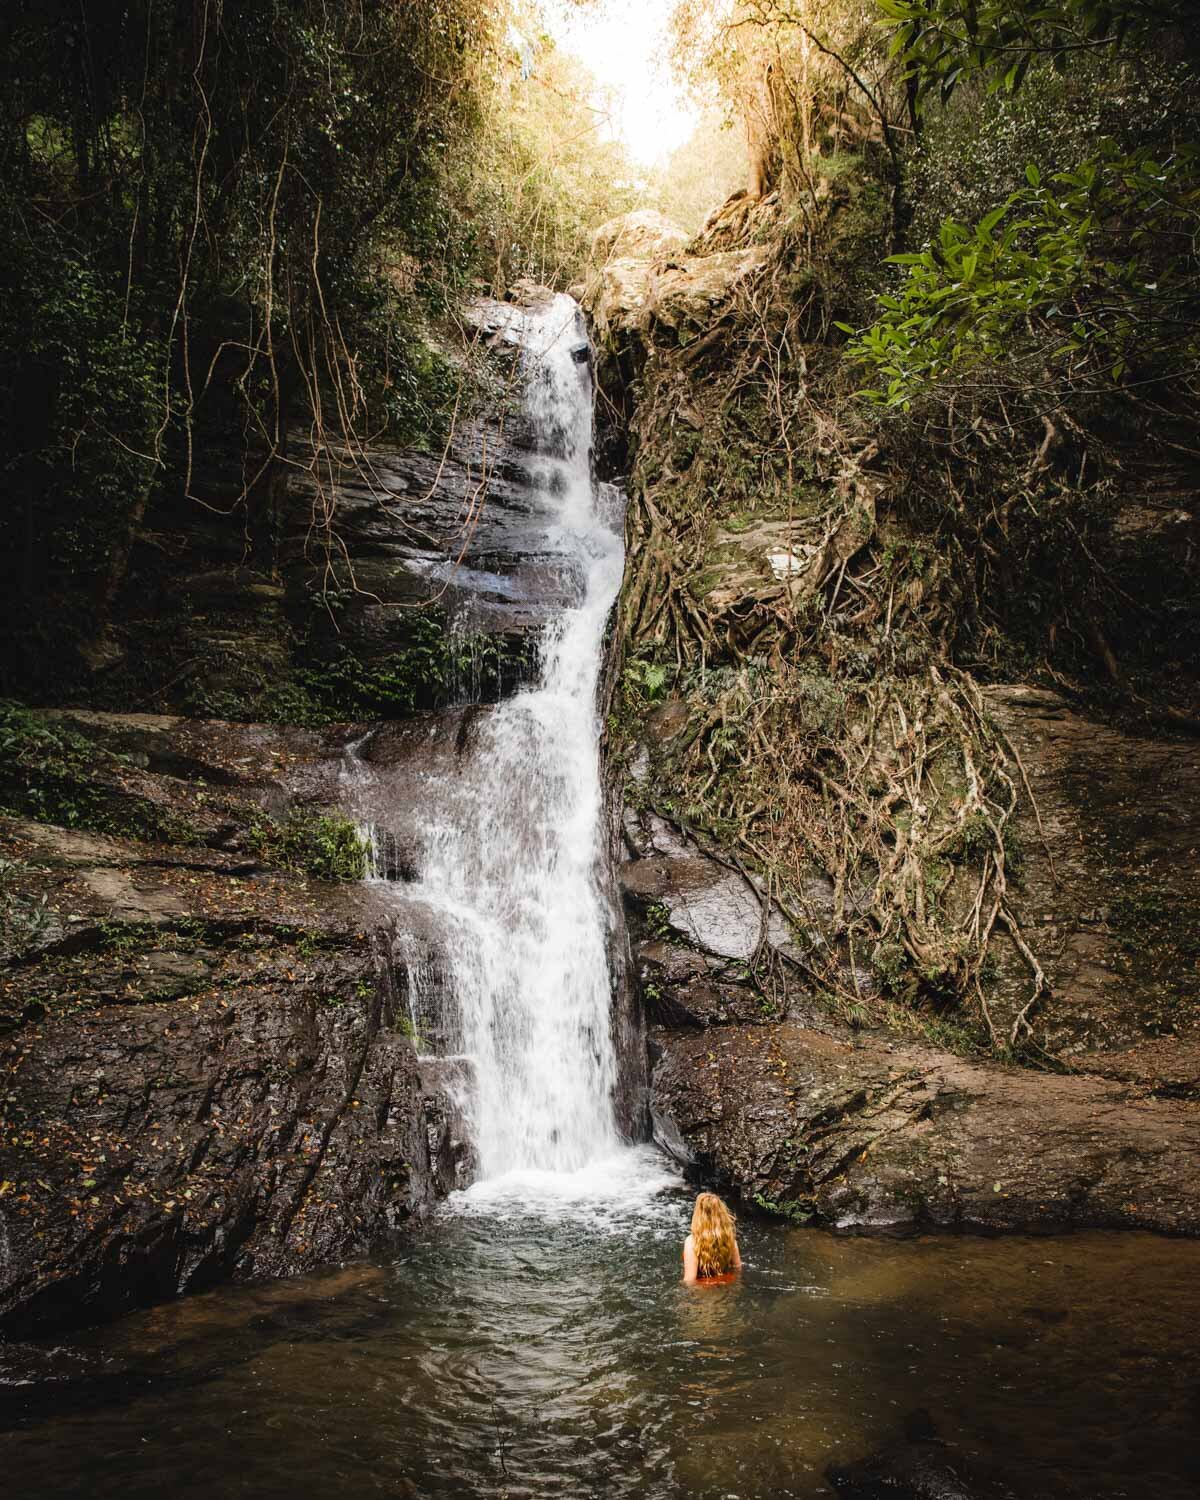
{"x": 511, "y": 846}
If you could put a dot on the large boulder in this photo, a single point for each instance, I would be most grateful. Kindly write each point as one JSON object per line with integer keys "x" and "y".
{"x": 866, "y": 1133}
{"x": 207, "y": 1067}
{"x": 688, "y": 299}
{"x": 639, "y": 235}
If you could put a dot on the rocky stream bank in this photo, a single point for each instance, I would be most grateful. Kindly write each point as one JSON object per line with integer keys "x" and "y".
{"x": 842, "y": 1108}
{"x": 772, "y": 1093}
{"x": 207, "y": 1061}
{"x": 206, "y": 1067}
{"x": 208, "y": 1037}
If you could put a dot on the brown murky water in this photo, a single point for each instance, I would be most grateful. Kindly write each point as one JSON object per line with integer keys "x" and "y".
{"x": 553, "y": 1353}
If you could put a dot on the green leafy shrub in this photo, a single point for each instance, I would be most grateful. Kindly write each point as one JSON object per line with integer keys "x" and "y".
{"x": 790, "y": 1209}
{"x": 648, "y": 679}
{"x": 322, "y": 845}
{"x": 941, "y": 41}
{"x": 51, "y": 773}
{"x": 23, "y": 919}
{"x": 225, "y": 226}
{"x": 1092, "y": 273}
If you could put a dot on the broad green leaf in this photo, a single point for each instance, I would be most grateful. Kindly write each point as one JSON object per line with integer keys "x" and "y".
{"x": 989, "y": 221}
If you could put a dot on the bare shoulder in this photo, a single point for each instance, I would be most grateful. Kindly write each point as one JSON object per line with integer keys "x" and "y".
{"x": 689, "y": 1243}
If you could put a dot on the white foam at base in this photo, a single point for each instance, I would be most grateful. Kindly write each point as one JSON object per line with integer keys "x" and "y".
{"x": 637, "y": 1183}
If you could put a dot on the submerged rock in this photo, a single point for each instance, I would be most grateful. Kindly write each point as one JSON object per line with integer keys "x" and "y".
{"x": 920, "y": 1466}
{"x": 922, "y": 1471}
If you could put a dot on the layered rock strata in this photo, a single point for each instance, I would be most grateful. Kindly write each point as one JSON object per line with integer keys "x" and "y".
{"x": 206, "y": 1064}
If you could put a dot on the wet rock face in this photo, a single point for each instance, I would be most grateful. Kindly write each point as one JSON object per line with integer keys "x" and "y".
{"x": 711, "y": 904}
{"x": 687, "y": 988}
{"x": 167, "y": 1146}
{"x": 876, "y": 1135}
{"x": 453, "y": 1160}
{"x": 921, "y": 1471}
{"x": 468, "y": 526}
{"x": 758, "y": 1086}
{"x": 348, "y": 569}
{"x": 208, "y": 1061}
{"x": 423, "y": 526}
{"x": 709, "y": 947}
{"x": 206, "y": 1065}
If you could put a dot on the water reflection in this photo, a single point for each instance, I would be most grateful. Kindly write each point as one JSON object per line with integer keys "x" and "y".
{"x": 519, "y": 1350}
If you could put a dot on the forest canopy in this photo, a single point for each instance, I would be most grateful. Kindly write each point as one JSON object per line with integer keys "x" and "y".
{"x": 233, "y": 232}
{"x": 226, "y": 222}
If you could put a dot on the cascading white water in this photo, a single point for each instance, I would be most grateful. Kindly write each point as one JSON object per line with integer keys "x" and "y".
{"x": 511, "y": 856}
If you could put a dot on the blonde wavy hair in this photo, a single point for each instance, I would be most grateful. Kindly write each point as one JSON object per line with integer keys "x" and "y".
{"x": 713, "y": 1236}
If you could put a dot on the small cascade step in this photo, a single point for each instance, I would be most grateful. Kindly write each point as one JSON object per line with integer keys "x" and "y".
{"x": 387, "y": 857}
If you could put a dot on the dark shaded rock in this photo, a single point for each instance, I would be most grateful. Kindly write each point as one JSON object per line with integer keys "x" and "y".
{"x": 209, "y": 1069}
{"x": 708, "y": 948}
{"x": 683, "y": 987}
{"x": 865, "y": 1134}
{"x": 356, "y": 580}
{"x": 258, "y": 1129}
{"x": 1169, "y": 1066}
{"x": 195, "y": 789}
{"x": 470, "y": 526}
{"x": 475, "y": 534}
{"x": 452, "y": 1155}
{"x": 1110, "y": 900}
{"x": 918, "y": 1471}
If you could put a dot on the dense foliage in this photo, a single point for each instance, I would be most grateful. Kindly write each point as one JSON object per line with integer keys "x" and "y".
{"x": 200, "y": 200}
{"x": 1084, "y": 273}
{"x": 1091, "y": 274}
{"x": 228, "y": 234}
{"x": 942, "y": 436}
{"x": 943, "y": 41}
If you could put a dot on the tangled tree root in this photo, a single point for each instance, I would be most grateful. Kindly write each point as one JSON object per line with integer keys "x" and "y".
{"x": 830, "y": 742}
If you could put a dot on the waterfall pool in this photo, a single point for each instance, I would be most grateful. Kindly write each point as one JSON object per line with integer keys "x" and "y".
{"x": 533, "y": 1340}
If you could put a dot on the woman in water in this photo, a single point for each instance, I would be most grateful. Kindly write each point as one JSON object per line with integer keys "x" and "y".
{"x": 710, "y": 1252}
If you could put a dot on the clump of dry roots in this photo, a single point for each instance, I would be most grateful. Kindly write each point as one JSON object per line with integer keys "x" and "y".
{"x": 832, "y": 750}
{"x": 879, "y": 814}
